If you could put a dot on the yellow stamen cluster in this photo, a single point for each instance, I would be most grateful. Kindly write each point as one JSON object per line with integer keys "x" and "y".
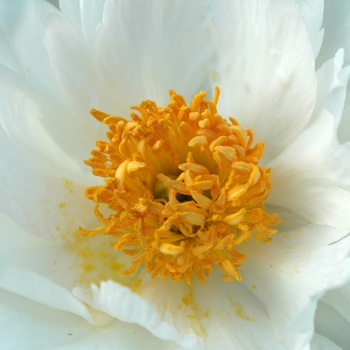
{"x": 183, "y": 186}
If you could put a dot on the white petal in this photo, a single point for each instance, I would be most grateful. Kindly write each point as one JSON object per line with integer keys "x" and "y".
{"x": 331, "y": 324}
{"x": 332, "y": 79}
{"x": 266, "y": 68}
{"x": 290, "y": 220}
{"x": 195, "y": 317}
{"x": 28, "y": 267}
{"x": 336, "y": 26}
{"x": 121, "y": 302}
{"x": 143, "y": 56}
{"x": 8, "y": 55}
{"x": 36, "y": 80}
{"x": 25, "y": 324}
{"x": 24, "y": 31}
{"x": 332, "y": 317}
{"x": 290, "y": 273}
{"x": 46, "y": 199}
{"x": 344, "y": 126}
{"x": 312, "y": 11}
{"x": 50, "y": 270}
{"x": 311, "y": 176}
{"x": 21, "y": 123}
{"x": 335, "y": 99}
{"x": 72, "y": 11}
{"x": 339, "y": 298}
{"x": 336, "y": 15}
{"x": 91, "y": 16}
{"x": 231, "y": 316}
{"x": 322, "y": 343}
{"x": 73, "y": 65}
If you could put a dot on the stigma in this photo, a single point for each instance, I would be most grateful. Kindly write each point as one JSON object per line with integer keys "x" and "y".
{"x": 184, "y": 188}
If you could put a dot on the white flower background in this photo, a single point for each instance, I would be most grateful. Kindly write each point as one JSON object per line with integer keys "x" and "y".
{"x": 282, "y": 67}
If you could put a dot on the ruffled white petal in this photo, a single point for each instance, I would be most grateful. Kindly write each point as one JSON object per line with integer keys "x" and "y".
{"x": 24, "y": 23}
{"x": 143, "y": 56}
{"x": 311, "y": 176}
{"x": 124, "y": 304}
{"x": 337, "y": 35}
{"x": 34, "y": 79}
{"x": 334, "y": 99}
{"x": 337, "y": 32}
{"x": 332, "y": 80}
{"x": 290, "y": 273}
{"x": 312, "y": 11}
{"x": 217, "y": 314}
{"x": 18, "y": 69}
{"x": 28, "y": 325}
{"x": 265, "y": 68}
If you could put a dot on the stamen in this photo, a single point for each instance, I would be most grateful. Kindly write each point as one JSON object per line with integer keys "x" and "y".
{"x": 184, "y": 187}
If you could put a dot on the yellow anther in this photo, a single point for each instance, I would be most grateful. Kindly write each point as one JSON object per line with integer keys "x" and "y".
{"x": 183, "y": 186}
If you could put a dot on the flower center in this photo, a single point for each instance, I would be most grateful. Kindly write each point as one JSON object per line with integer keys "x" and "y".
{"x": 183, "y": 186}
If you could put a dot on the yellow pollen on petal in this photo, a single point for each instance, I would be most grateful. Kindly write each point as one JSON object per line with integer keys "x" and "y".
{"x": 183, "y": 187}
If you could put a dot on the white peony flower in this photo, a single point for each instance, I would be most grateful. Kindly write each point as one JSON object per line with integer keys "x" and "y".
{"x": 61, "y": 289}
